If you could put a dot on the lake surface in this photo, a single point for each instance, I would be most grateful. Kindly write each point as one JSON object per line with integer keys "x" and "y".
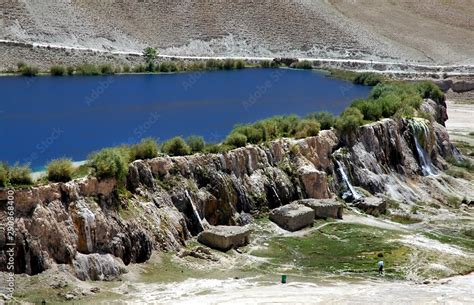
{"x": 43, "y": 118}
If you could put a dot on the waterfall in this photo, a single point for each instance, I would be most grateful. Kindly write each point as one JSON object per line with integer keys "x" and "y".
{"x": 89, "y": 222}
{"x": 194, "y": 208}
{"x": 355, "y": 195}
{"x": 421, "y": 132}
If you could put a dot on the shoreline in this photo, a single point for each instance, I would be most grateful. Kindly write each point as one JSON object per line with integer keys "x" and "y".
{"x": 348, "y": 64}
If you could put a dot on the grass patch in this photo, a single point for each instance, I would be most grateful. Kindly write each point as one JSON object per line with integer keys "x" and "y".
{"x": 338, "y": 248}
{"x": 404, "y": 219}
{"x": 463, "y": 237}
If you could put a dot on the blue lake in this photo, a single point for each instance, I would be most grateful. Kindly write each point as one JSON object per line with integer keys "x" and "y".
{"x": 43, "y": 118}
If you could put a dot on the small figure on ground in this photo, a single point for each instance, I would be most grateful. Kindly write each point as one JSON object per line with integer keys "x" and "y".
{"x": 380, "y": 264}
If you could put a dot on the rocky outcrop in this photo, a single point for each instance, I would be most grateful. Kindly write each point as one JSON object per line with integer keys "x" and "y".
{"x": 292, "y": 217}
{"x": 167, "y": 200}
{"x": 323, "y": 208}
{"x": 457, "y": 86}
{"x": 57, "y": 223}
{"x": 224, "y": 238}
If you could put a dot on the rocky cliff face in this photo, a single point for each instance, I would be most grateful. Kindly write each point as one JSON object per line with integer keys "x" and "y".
{"x": 94, "y": 227}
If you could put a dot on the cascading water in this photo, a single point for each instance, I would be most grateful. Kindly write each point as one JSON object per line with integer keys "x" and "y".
{"x": 195, "y": 212}
{"x": 89, "y": 222}
{"x": 421, "y": 134}
{"x": 350, "y": 188}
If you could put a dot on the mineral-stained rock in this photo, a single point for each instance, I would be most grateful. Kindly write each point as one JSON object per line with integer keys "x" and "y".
{"x": 224, "y": 237}
{"x": 323, "y": 208}
{"x": 292, "y": 217}
{"x": 372, "y": 205}
{"x": 97, "y": 266}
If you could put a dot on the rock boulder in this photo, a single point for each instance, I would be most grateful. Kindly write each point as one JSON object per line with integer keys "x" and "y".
{"x": 372, "y": 205}
{"x": 292, "y": 217}
{"x": 323, "y": 208}
{"x": 224, "y": 238}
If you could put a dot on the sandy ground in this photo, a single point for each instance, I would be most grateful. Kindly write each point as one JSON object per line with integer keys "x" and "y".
{"x": 456, "y": 290}
{"x": 461, "y": 117}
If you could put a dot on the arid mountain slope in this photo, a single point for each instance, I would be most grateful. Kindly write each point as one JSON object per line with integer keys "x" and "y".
{"x": 440, "y": 30}
{"x": 436, "y": 33}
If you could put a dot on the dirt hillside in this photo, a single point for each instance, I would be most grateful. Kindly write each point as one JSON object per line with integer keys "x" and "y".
{"x": 435, "y": 32}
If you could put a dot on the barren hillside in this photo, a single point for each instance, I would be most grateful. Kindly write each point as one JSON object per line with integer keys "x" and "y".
{"x": 433, "y": 32}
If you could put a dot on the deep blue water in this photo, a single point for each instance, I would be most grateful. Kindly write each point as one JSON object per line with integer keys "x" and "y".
{"x": 43, "y": 118}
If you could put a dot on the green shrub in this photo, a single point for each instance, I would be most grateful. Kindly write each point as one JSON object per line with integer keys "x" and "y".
{"x": 229, "y": 64}
{"x": 239, "y": 64}
{"x": 350, "y": 120}
{"x": 214, "y": 64}
{"x": 110, "y": 163}
{"x": 367, "y": 79}
{"x": 196, "y": 143}
{"x": 146, "y": 149}
{"x": 60, "y": 170}
{"x": 168, "y": 66}
{"x": 27, "y": 70}
{"x": 87, "y": 69}
{"x": 126, "y": 69}
{"x": 325, "y": 119}
{"x": 20, "y": 175}
{"x": 430, "y": 90}
{"x": 176, "y": 147}
{"x": 57, "y": 70}
{"x": 3, "y": 175}
{"x": 304, "y": 64}
{"x": 196, "y": 66}
{"x": 236, "y": 139}
{"x": 20, "y": 65}
{"x": 286, "y": 125}
{"x": 275, "y": 64}
{"x": 150, "y": 55}
{"x": 70, "y": 70}
{"x": 139, "y": 68}
{"x": 212, "y": 148}
{"x": 254, "y": 133}
{"x": 265, "y": 64}
{"x": 389, "y": 99}
{"x": 106, "y": 69}
{"x": 307, "y": 128}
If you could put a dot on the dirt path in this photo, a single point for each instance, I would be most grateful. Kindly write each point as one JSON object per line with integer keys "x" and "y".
{"x": 460, "y": 122}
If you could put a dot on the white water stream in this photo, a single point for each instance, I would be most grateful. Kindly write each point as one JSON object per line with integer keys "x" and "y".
{"x": 348, "y": 183}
